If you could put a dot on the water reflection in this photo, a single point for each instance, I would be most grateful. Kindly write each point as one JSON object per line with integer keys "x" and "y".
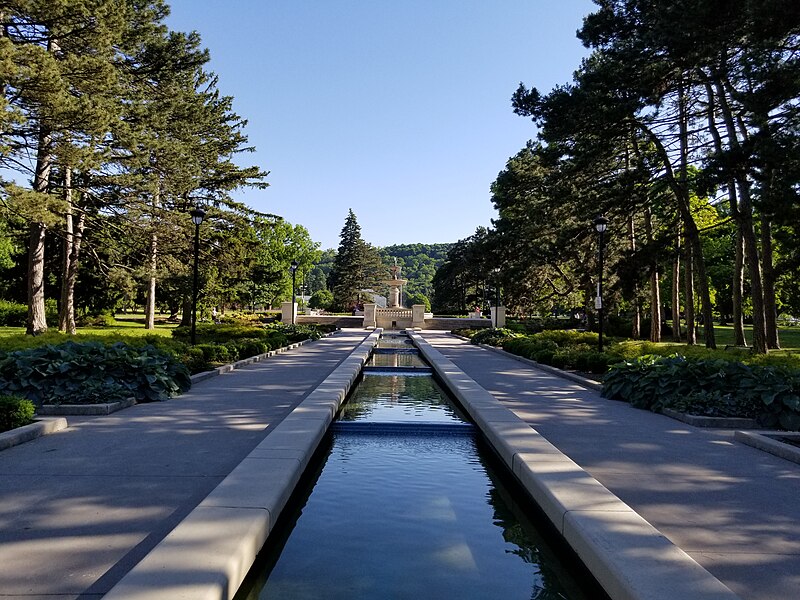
{"x": 394, "y": 398}
{"x": 397, "y": 517}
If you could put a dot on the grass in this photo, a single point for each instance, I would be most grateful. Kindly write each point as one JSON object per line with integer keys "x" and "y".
{"x": 789, "y": 337}
{"x": 130, "y": 325}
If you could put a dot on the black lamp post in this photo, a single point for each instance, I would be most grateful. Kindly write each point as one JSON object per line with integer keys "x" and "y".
{"x": 600, "y": 224}
{"x": 496, "y": 297}
{"x": 198, "y": 214}
{"x": 293, "y": 269}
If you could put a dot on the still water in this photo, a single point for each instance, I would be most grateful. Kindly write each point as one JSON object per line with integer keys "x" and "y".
{"x": 406, "y": 514}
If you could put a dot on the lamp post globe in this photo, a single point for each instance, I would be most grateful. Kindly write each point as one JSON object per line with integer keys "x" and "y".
{"x": 197, "y": 214}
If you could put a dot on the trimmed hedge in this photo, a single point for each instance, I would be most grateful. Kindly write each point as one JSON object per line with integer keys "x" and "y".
{"x": 15, "y": 411}
{"x": 769, "y": 393}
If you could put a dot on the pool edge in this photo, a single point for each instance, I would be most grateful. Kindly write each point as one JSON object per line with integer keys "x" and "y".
{"x": 209, "y": 553}
{"x": 629, "y": 557}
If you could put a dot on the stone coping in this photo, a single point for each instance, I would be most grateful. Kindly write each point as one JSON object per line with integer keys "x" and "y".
{"x": 766, "y": 441}
{"x": 26, "y": 433}
{"x": 84, "y": 410}
{"x": 209, "y": 553}
{"x": 629, "y": 557}
{"x": 711, "y": 422}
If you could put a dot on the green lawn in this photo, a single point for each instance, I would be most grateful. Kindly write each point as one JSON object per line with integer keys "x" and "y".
{"x": 789, "y": 337}
{"x": 125, "y": 327}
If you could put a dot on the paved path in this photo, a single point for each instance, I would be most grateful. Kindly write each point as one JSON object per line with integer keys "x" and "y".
{"x": 80, "y": 507}
{"x": 734, "y": 509}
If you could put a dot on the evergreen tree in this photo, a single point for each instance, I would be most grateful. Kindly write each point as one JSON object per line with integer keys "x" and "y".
{"x": 357, "y": 267}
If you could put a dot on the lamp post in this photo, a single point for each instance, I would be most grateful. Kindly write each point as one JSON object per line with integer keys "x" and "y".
{"x": 293, "y": 269}
{"x": 198, "y": 214}
{"x": 600, "y": 225}
{"x": 496, "y": 296}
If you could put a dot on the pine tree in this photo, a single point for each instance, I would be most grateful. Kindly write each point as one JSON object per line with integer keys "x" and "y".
{"x": 357, "y": 266}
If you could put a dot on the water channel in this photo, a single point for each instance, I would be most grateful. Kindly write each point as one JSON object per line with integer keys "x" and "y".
{"x": 406, "y": 501}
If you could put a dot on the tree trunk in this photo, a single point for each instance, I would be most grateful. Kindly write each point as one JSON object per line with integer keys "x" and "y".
{"x": 692, "y": 234}
{"x": 72, "y": 249}
{"x": 738, "y": 290}
{"x": 688, "y": 282}
{"x": 636, "y": 322}
{"x": 150, "y": 306}
{"x": 768, "y": 268}
{"x": 37, "y": 321}
{"x": 655, "y": 283}
{"x": 738, "y": 270}
{"x": 186, "y": 313}
{"x": 676, "y": 289}
{"x": 744, "y": 217}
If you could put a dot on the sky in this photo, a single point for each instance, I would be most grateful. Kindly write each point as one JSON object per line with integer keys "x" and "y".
{"x": 399, "y": 110}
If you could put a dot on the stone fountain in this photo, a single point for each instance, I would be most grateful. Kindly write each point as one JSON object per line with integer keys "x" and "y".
{"x": 395, "y": 283}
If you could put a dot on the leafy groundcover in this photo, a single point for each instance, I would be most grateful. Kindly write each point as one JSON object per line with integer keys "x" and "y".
{"x": 15, "y": 411}
{"x": 91, "y": 373}
{"x": 770, "y": 394}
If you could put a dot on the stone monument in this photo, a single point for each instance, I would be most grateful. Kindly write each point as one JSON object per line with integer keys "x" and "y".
{"x": 395, "y": 283}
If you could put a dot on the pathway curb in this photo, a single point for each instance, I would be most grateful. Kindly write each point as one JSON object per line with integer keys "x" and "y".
{"x": 208, "y": 554}
{"x": 41, "y": 427}
{"x": 629, "y": 557}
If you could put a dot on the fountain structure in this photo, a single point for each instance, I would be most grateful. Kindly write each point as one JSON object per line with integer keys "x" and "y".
{"x": 394, "y": 316}
{"x": 395, "y": 283}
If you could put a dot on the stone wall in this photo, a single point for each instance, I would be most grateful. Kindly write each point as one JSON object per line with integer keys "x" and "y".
{"x": 340, "y": 321}
{"x": 357, "y": 322}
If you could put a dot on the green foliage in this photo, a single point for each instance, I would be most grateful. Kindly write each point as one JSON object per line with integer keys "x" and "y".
{"x": 228, "y": 342}
{"x": 101, "y": 319}
{"x": 15, "y": 411}
{"x": 357, "y": 267}
{"x": 492, "y": 337}
{"x": 563, "y": 350}
{"x": 654, "y": 382}
{"x": 419, "y": 263}
{"x": 13, "y": 314}
{"x": 413, "y": 298}
{"x": 321, "y": 299}
{"x": 92, "y": 372}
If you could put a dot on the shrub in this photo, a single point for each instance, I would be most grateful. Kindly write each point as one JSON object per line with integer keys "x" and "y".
{"x": 466, "y": 332}
{"x": 492, "y": 337}
{"x": 655, "y": 382}
{"x": 103, "y": 319}
{"x": 15, "y": 411}
{"x": 321, "y": 299}
{"x": 91, "y": 372}
{"x": 12, "y": 314}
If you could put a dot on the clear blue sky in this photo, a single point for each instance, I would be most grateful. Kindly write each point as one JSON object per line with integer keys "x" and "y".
{"x": 397, "y": 109}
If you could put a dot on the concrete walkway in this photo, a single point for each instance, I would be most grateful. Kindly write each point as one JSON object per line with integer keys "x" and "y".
{"x": 80, "y": 507}
{"x": 733, "y": 508}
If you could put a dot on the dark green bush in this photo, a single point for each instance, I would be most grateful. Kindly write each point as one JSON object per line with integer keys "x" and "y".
{"x": 91, "y": 372}
{"x": 492, "y": 337}
{"x": 655, "y": 382}
{"x": 15, "y": 411}
{"x": 103, "y": 319}
{"x": 563, "y": 350}
{"x": 466, "y": 332}
{"x": 221, "y": 343}
{"x": 12, "y": 314}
